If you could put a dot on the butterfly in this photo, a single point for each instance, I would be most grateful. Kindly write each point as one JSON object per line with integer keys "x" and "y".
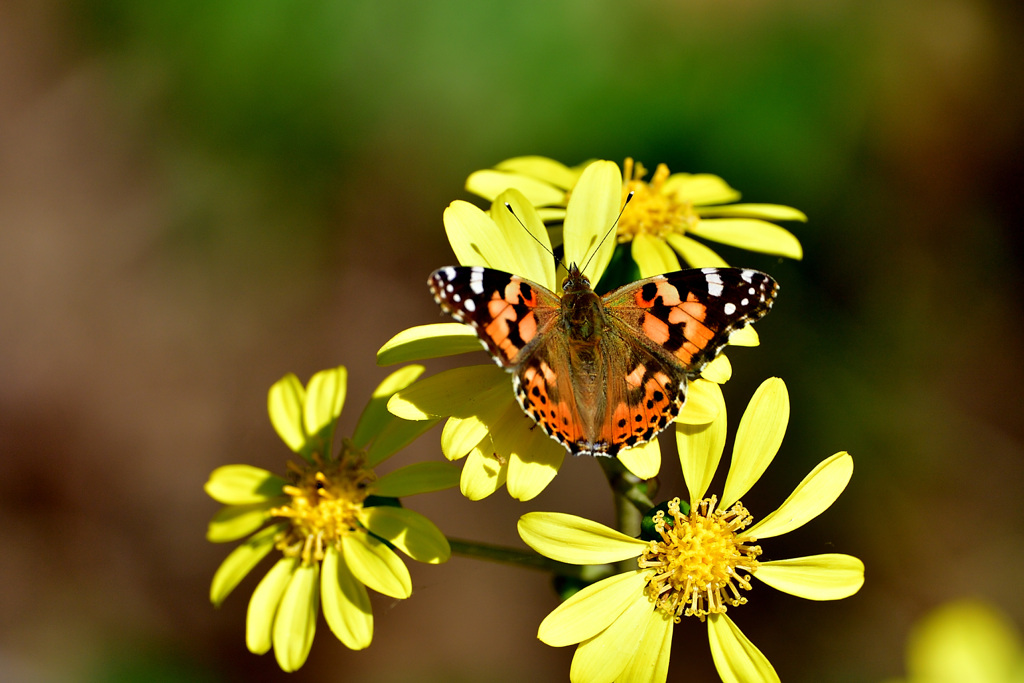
{"x": 600, "y": 374}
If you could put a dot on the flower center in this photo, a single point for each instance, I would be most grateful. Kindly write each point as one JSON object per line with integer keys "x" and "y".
{"x": 652, "y": 210}
{"x": 698, "y": 560}
{"x": 326, "y": 497}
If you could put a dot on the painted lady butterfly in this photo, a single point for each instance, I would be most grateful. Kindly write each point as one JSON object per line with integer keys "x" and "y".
{"x": 604, "y": 373}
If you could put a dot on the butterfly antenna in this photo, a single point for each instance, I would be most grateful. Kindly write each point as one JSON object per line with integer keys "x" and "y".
{"x": 538, "y": 240}
{"x": 610, "y": 230}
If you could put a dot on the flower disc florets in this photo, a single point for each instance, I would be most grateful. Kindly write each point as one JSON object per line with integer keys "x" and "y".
{"x": 652, "y": 211}
{"x": 326, "y": 497}
{"x": 699, "y": 559}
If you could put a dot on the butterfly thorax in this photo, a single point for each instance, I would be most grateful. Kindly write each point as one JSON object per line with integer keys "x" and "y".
{"x": 582, "y": 310}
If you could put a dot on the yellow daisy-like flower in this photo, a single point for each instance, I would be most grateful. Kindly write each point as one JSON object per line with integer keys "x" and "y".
{"x": 700, "y": 562}
{"x": 666, "y": 212}
{"x": 333, "y": 519}
{"x": 485, "y": 422}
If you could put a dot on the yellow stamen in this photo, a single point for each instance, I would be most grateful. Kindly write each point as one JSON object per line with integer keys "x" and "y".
{"x": 326, "y": 497}
{"x": 698, "y": 560}
{"x": 652, "y": 211}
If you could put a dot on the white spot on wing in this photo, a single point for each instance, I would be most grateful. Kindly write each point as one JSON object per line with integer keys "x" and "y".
{"x": 748, "y": 276}
{"x": 469, "y": 305}
{"x": 729, "y": 308}
{"x": 449, "y": 272}
{"x": 714, "y": 289}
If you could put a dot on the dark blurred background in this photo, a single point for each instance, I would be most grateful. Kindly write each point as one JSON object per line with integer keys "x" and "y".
{"x": 198, "y": 197}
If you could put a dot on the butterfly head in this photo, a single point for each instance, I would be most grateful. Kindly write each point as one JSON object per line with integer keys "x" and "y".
{"x": 575, "y": 281}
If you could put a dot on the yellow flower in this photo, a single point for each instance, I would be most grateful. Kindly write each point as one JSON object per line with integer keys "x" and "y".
{"x": 333, "y": 519}
{"x": 700, "y": 562}
{"x": 485, "y": 422}
{"x": 965, "y": 641}
{"x": 666, "y": 212}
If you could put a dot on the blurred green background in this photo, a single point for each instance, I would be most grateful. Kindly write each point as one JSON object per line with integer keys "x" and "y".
{"x": 198, "y": 197}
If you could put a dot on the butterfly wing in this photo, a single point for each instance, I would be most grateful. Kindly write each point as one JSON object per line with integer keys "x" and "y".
{"x": 507, "y": 312}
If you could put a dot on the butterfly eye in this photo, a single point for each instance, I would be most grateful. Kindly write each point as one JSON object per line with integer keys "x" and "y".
{"x": 565, "y": 283}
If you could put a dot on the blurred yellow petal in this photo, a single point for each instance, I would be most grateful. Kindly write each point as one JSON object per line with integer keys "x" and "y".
{"x": 700, "y": 188}
{"x": 243, "y": 485}
{"x": 575, "y": 540}
{"x": 233, "y": 522}
{"x": 736, "y": 658}
{"x": 483, "y": 472}
{"x": 420, "y": 477}
{"x": 259, "y": 620}
{"x": 409, "y": 531}
{"x": 602, "y": 658}
{"x": 593, "y": 207}
{"x": 652, "y": 255}
{"x": 532, "y": 464}
{"x": 458, "y": 392}
{"x": 590, "y": 611}
{"x": 529, "y": 248}
{"x": 490, "y": 183}
{"x": 718, "y": 371}
{"x": 375, "y": 415}
{"x": 376, "y": 565}
{"x": 429, "y": 341}
{"x": 237, "y": 565}
{"x": 700, "y": 450}
{"x": 703, "y": 403}
{"x": 695, "y": 254}
{"x": 395, "y": 436}
{"x": 542, "y": 168}
{"x": 345, "y": 602}
{"x": 284, "y": 403}
{"x": 770, "y": 212}
{"x": 461, "y": 435}
{"x": 650, "y": 662}
{"x": 325, "y": 397}
{"x": 812, "y": 496}
{"x": 295, "y": 622}
{"x": 745, "y": 336}
{"x": 644, "y": 460}
{"x": 757, "y": 439}
{"x": 750, "y": 233}
{"x": 818, "y": 577}
{"x": 475, "y": 237}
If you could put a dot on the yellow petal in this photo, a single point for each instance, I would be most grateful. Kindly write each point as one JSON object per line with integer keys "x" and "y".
{"x": 284, "y": 403}
{"x": 243, "y": 485}
{"x": 475, "y": 238}
{"x": 700, "y": 450}
{"x": 542, "y": 168}
{"x": 591, "y": 610}
{"x": 409, "y": 531}
{"x": 644, "y": 460}
{"x": 818, "y": 577}
{"x": 419, "y": 477}
{"x": 484, "y": 473}
{"x": 533, "y": 457}
{"x": 490, "y": 183}
{"x": 653, "y": 255}
{"x": 295, "y": 622}
{"x": 325, "y": 397}
{"x": 233, "y": 522}
{"x": 593, "y": 208}
{"x": 345, "y": 602}
{"x": 461, "y": 435}
{"x": 375, "y": 415}
{"x": 529, "y": 248}
{"x": 602, "y": 658}
{"x": 718, "y": 371}
{"x": 429, "y": 341}
{"x": 572, "y": 539}
{"x": 736, "y": 658}
{"x": 395, "y": 436}
{"x": 757, "y": 439}
{"x": 695, "y": 254}
{"x": 703, "y": 403}
{"x": 259, "y": 620}
{"x": 458, "y": 392}
{"x": 650, "y": 662}
{"x": 699, "y": 188}
{"x": 750, "y": 233}
{"x": 376, "y": 565}
{"x": 237, "y": 565}
{"x": 745, "y": 336}
{"x": 810, "y": 498}
{"x": 771, "y": 212}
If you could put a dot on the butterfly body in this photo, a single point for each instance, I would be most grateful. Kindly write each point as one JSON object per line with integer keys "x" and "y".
{"x": 602, "y": 373}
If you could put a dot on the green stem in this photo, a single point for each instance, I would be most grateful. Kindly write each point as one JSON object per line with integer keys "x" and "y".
{"x": 528, "y": 559}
